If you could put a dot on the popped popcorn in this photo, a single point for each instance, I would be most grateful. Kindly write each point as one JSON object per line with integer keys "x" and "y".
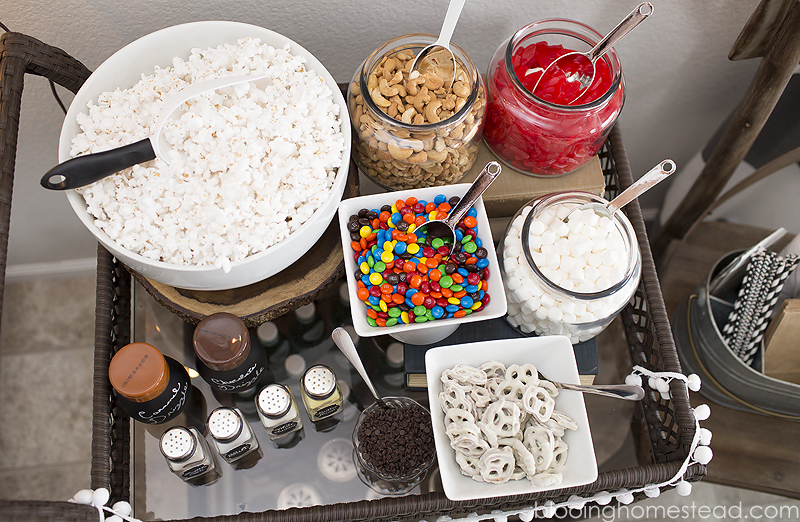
{"x": 250, "y": 163}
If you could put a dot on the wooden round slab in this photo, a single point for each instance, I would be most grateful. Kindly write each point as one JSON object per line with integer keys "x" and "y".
{"x": 293, "y": 287}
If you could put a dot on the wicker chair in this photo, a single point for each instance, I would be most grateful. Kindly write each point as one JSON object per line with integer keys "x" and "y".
{"x": 20, "y": 54}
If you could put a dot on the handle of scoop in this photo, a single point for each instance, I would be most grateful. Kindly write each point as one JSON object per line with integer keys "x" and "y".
{"x": 654, "y": 176}
{"x": 85, "y": 170}
{"x": 450, "y": 20}
{"x": 628, "y": 392}
{"x": 635, "y": 17}
{"x": 478, "y": 187}
{"x": 343, "y": 340}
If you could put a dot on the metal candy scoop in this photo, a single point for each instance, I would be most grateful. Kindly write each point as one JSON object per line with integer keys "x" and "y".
{"x": 345, "y": 344}
{"x": 643, "y": 184}
{"x": 445, "y": 228}
{"x": 628, "y": 392}
{"x": 85, "y": 170}
{"x": 449, "y": 25}
{"x": 579, "y": 67}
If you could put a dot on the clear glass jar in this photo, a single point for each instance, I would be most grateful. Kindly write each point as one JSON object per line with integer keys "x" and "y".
{"x": 551, "y": 292}
{"x": 427, "y": 143}
{"x": 537, "y": 137}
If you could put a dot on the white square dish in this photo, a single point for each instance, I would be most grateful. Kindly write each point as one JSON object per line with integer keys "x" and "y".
{"x": 554, "y": 357}
{"x": 428, "y": 332}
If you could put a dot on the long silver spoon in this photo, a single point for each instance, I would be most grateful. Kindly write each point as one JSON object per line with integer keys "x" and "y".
{"x": 446, "y": 228}
{"x": 345, "y": 344}
{"x": 654, "y": 176}
{"x": 579, "y": 66}
{"x": 628, "y": 392}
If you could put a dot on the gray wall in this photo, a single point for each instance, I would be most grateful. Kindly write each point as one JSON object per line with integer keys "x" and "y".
{"x": 680, "y": 83}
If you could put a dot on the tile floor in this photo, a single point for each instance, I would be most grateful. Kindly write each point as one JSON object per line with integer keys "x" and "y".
{"x": 46, "y": 348}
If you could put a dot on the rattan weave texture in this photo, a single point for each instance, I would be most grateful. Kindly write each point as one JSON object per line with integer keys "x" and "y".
{"x": 669, "y": 423}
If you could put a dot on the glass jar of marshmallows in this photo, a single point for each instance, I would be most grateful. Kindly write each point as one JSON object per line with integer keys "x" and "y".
{"x": 568, "y": 273}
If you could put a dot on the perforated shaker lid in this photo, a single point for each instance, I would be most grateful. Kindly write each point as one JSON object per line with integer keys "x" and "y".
{"x": 138, "y": 372}
{"x": 319, "y": 381}
{"x": 177, "y": 443}
{"x": 224, "y": 424}
{"x": 221, "y": 341}
{"x": 274, "y": 400}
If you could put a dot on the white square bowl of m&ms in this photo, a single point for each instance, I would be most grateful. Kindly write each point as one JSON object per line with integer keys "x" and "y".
{"x": 406, "y": 286}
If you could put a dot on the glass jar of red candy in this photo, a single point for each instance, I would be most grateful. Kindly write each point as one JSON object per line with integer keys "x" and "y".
{"x": 549, "y": 134}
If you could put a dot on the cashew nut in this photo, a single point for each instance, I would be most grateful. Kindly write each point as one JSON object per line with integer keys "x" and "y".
{"x": 418, "y": 157}
{"x": 408, "y": 115}
{"x": 461, "y": 89}
{"x": 385, "y": 90}
{"x": 433, "y": 82}
{"x": 399, "y": 153}
{"x": 379, "y": 100}
{"x": 430, "y": 111}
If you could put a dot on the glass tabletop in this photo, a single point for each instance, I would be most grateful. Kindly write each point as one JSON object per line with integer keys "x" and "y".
{"x": 314, "y": 467}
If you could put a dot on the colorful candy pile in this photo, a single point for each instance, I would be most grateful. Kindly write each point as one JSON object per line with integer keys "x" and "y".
{"x": 407, "y": 278}
{"x": 541, "y": 139}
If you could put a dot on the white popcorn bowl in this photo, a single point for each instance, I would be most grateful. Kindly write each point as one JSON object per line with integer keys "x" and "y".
{"x": 122, "y": 70}
{"x": 431, "y": 331}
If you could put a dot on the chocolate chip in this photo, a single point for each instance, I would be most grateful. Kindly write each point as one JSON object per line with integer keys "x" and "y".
{"x": 397, "y": 440}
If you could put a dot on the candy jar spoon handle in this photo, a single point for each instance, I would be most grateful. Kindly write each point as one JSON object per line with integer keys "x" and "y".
{"x": 345, "y": 344}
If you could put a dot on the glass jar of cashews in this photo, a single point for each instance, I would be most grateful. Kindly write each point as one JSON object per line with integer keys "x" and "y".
{"x": 418, "y": 128}
{"x": 568, "y": 272}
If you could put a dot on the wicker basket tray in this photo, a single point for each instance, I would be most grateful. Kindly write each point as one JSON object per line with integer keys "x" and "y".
{"x": 669, "y": 424}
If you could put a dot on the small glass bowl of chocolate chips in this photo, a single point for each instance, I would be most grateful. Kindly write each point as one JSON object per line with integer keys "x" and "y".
{"x": 393, "y": 446}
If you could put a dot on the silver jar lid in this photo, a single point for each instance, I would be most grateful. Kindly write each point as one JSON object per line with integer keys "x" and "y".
{"x": 319, "y": 381}
{"x": 177, "y": 443}
{"x": 274, "y": 401}
{"x": 224, "y": 424}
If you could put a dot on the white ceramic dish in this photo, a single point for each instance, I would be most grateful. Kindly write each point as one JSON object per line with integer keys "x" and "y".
{"x": 122, "y": 70}
{"x": 554, "y": 357}
{"x": 429, "y": 332}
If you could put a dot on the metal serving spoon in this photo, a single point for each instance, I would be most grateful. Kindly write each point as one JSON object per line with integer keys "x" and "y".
{"x": 85, "y": 170}
{"x": 578, "y": 66}
{"x": 654, "y": 176}
{"x": 445, "y": 228}
{"x": 449, "y": 25}
{"x": 345, "y": 344}
{"x": 628, "y": 392}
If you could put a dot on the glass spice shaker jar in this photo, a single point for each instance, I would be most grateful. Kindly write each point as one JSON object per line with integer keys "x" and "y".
{"x": 278, "y": 411}
{"x": 150, "y": 387}
{"x": 231, "y": 434}
{"x": 414, "y": 132}
{"x": 568, "y": 278}
{"x": 322, "y": 396}
{"x": 549, "y": 136}
{"x": 188, "y": 455}
{"x": 225, "y": 358}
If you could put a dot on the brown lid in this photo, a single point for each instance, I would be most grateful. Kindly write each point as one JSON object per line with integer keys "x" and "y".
{"x": 221, "y": 341}
{"x": 138, "y": 372}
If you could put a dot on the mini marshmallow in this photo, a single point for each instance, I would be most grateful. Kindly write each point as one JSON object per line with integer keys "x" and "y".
{"x": 560, "y": 228}
{"x": 553, "y": 261}
{"x": 548, "y": 237}
{"x": 555, "y": 314}
{"x": 591, "y": 273}
{"x": 567, "y": 263}
{"x": 577, "y": 275}
{"x": 536, "y": 228}
{"x": 567, "y": 306}
{"x": 595, "y": 259}
{"x": 575, "y": 226}
{"x": 590, "y": 218}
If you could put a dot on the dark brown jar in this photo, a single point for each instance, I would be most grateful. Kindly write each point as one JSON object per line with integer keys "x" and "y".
{"x": 150, "y": 387}
{"x": 226, "y": 359}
